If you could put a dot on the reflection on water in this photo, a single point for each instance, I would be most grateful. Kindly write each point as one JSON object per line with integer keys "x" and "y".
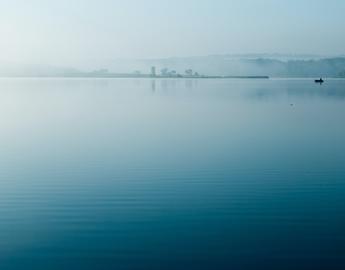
{"x": 171, "y": 174}
{"x": 333, "y": 89}
{"x": 259, "y": 89}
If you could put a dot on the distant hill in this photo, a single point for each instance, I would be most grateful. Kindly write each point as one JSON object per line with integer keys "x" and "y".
{"x": 252, "y": 65}
{"x": 273, "y": 65}
{"x": 330, "y": 67}
{"x": 25, "y": 70}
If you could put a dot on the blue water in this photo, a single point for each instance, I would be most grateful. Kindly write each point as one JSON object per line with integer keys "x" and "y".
{"x": 172, "y": 174}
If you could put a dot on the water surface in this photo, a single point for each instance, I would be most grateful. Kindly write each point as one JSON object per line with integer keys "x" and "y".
{"x": 172, "y": 174}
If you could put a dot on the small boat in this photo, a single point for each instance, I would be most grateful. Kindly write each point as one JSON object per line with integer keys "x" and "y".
{"x": 319, "y": 81}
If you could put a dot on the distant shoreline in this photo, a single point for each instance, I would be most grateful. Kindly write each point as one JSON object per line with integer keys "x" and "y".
{"x": 134, "y": 76}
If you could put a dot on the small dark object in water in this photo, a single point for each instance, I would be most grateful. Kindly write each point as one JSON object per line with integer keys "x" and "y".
{"x": 319, "y": 81}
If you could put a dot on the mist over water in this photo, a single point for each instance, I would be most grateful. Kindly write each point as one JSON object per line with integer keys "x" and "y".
{"x": 92, "y": 34}
{"x": 128, "y": 141}
{"x": 171, "y": 174}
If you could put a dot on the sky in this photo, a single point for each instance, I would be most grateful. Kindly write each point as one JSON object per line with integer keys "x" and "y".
{"x": 76, "y": 32}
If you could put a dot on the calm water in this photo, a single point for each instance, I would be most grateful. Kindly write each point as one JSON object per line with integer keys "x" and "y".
{"x": 172, "y": 174}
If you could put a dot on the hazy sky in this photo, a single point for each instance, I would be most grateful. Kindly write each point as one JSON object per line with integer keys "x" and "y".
{"x": 73, "y": 32}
